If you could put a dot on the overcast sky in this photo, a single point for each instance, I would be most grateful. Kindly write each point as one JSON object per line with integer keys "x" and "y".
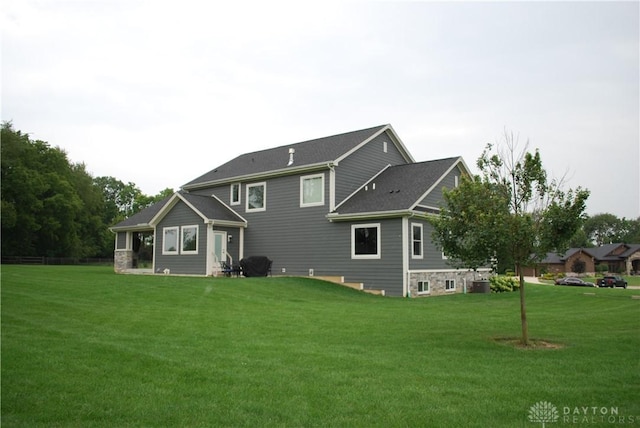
{"x": 158, "y": 93}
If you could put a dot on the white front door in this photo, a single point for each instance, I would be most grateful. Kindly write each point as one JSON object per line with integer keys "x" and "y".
{"x": 219, "y": 247}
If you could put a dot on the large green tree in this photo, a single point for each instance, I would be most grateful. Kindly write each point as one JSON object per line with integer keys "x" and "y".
{"x": 511, "y": 208}
{"x": 52, "y": 207}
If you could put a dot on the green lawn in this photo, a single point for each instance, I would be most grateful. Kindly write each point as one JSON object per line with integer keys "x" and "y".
{"x": 83, "y": 347}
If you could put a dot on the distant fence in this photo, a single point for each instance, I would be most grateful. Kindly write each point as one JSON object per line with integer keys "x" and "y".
{"x": 28, "y": 260}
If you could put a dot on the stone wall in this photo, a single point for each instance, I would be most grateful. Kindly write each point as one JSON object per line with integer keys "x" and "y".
{"x": 438, "y": 281}
{"x": 122, "y": 260}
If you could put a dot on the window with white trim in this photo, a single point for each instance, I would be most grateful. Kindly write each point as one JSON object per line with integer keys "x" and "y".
{"x": 456, "y": 181}
{"x": 423, "y": 287}
{"x": 365, "y": 241}
{"x": 450, "y": 285}
{"x": 189, "y": 239}
{"x": 256, "y": 197}
{"x": 312, "y": 190}
{"x": 235, "y": 194}
{"x": 416, "y": 241}
{"x": 170, "y": 240}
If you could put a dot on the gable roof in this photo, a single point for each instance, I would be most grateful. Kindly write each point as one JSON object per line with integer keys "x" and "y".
{"x": 396, "y": 189}
{"x": 209, "y": 208}
{"x": 308, "y": 154}
{"x": 142, "y": 218}
{"x": 602, "y": 253}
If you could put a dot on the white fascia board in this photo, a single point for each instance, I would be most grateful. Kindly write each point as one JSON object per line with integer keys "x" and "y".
{"x": 244, "y": 222}
{"x": 369, "y": 215}
{"x": 136, "y": 227}
{"x": 453, "y": 165}
{"x": 363, "y": 186}
{"x": 392, "y": 136}
{"x": 262, "y": 175}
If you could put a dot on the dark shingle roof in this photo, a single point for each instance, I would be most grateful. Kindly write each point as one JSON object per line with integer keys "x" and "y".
{"x": 212, "y": 208}
{"x": 209, "y": 207}
{"x": 310, "y": 152}
{"x": 397, "y": 187}
{"x": 143, "y": 217}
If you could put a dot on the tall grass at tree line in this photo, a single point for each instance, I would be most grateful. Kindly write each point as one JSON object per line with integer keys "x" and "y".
{"x": 83, "y": 347}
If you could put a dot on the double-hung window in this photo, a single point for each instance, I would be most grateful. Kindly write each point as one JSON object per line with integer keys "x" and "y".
{"x": 416, "y": 241}
{"x": 180, "y": 240}
{"x": 189, "y": 240}
{"x": 235, "y": 194}
{"x": 256, "y": 197}
{"x": 312, "y": 190}
{"x": 170, "y": 240}
{"x": 365, "y": 241}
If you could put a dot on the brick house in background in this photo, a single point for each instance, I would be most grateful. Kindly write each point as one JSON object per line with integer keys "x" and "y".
{"x": 619, "y": 258}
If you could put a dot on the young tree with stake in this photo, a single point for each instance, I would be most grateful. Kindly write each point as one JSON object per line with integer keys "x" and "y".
{"x": 512, "y": 208}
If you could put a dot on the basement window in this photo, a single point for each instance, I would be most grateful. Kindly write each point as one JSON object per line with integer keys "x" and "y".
{"x": 450, "y": 285}
{"x": 423, "y": 287}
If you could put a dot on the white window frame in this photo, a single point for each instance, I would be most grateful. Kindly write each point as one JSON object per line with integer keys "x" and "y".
{"x": 385, "y": 147}
{"x": 456, "y": 181}
{"x": 428, "y": 289}
{"x": 127, "y": 241}
{"x": 448, "y": 287}
{"x": 378, "y": 254}
{"x": 444, "y": 256}
{"x": 262, "y": 184}
{"x": 413, "y": 242}
{"x": 165, "y": 251}
{"x": 231, "y": 200}
{"x": 182, "y": 231}
{"x": 303, "y": 180}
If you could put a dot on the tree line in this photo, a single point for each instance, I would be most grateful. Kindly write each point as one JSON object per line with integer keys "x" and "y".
{"x": 52, "y": 207}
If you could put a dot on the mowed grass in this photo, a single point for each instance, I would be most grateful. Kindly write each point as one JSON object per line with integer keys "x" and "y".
{"x": 83, "y": 347}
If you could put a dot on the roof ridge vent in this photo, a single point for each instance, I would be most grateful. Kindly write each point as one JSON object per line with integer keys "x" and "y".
{"x": 291, "y": 153}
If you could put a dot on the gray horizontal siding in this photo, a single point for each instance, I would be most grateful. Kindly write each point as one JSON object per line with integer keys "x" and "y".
{"x": 361, "y": 166}
{"x": 435, "y": 198}
{"x": 432, "y": 258}
{"x": 181, "y": 215}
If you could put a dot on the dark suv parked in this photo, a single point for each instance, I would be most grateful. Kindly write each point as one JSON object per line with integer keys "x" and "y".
{"x": 612, "y": 281}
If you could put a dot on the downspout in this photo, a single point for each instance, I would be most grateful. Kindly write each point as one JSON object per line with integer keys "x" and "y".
{"x": 332, "y": 186}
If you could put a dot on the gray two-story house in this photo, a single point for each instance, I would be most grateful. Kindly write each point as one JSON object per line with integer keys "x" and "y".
{"x": 353, "y": 205}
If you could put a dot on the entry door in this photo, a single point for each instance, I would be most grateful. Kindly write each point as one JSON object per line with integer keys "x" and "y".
{"x": 219, "y": 247}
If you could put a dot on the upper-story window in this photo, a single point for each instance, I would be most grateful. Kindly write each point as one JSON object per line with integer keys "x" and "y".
{"x": 257, "y": 197}
{"x": 312, "y": 190}
{"x": 416, "y": 238}
{"x": 235, "y": 194}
